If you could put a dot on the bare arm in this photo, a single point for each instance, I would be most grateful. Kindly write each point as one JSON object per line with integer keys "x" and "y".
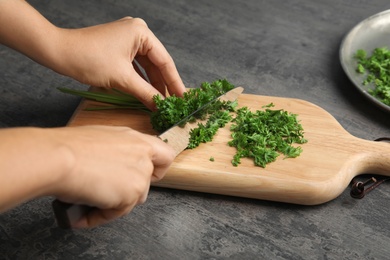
{"x": 24, "y": 29}
{"x": 30, "y": 166}
{"x": 99, "y": 55}
{"x": 106, "y": 167}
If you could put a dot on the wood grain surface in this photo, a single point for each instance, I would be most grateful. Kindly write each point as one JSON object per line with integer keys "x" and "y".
{"x": 329, "y": 161}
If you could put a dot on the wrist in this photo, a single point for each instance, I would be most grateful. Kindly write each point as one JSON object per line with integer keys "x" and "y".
{"x": 62, "y": 162}
{"x": 35, "y": 163}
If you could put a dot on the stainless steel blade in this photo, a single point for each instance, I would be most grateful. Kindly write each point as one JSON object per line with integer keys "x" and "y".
{"x": 178, "y": 136}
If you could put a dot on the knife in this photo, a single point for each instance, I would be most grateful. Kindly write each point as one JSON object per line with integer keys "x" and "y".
{"x": 177, "y": 137}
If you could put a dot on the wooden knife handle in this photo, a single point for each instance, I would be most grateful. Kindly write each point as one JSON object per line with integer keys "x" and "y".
{"x": 67, "y": 214}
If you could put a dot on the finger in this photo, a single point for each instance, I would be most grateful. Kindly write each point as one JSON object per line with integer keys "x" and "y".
{"x": 173, "y": 82}
{"x": 162, "y": 156}
{"x": 162, "y": 160}
{"x": 159, "y": 56}
{"x": 141, "y": 89}
{"x": 153, "y": 73}
{"x": 153, "y": 76}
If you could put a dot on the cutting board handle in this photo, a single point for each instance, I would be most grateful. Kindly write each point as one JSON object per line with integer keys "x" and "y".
{"x": 372, "y": 163}
{"x": 376, "y": 159}
{"x": 366, "y": 157}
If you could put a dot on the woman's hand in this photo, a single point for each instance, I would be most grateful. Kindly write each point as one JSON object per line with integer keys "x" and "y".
{"x": 101, "y": 166}
{"x": 106, "y": 167}
{"x": 104, "y": 55}
{"x": 112, "y": 170}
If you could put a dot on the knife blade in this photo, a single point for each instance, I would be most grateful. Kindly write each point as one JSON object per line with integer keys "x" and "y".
{"x": 177, "y": 137}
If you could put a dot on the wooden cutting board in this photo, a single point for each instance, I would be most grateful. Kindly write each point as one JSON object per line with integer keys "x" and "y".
{"x": 329, "y": 161}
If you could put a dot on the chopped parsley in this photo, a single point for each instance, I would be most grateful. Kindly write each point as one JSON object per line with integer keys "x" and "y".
{"x": 205, "y": 132}
{"x": 377, "y": 67}
{"x": 260, "y": 135}
{"x": 263, "y": 135}
{"x": 173, "y": 109}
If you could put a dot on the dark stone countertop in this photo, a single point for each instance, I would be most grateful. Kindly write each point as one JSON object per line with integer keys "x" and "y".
{"x": 273, "y": 48}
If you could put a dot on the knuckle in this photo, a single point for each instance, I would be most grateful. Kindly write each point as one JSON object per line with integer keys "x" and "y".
{"x": 141, "y": 191}
{"x": 127, "y": 18}
{"x": 135, "y": 21}
{"x": 124, "y": 209}
{"x": 146, "y": 96}
{"x": 169, "y": 154}
{"x": 142, "y": 200}
{"x": 139, "y": 21}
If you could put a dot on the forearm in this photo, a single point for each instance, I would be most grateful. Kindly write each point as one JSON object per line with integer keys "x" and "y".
{"x": 24, "y": 29}
{"x": 100, "y": 55}
{"x": 32, "y": 164}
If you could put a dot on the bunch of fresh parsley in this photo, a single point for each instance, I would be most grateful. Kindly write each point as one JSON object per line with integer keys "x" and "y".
{"x": 377, "y": 67}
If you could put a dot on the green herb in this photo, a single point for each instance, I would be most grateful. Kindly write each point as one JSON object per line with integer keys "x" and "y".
{"x": 173, "y": 109}
{"x": 212, "y": 159}
{"x": 262, "y": 135}
{"x": 269, "y": 105}
{"x": 377, "y": 67}
{"x": 205, "y": 132}
{"x": 118, "y": 99}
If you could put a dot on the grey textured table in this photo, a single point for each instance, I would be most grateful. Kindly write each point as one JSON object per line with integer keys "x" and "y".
{"x": 274, "y": 48}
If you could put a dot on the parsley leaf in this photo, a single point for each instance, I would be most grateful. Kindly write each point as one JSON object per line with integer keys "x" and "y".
{"x": 377, "y": 67}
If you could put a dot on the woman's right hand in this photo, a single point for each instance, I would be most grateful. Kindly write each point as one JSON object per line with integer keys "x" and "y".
{"x": 112, "y": 168}
{"x": 106, "y": 167}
